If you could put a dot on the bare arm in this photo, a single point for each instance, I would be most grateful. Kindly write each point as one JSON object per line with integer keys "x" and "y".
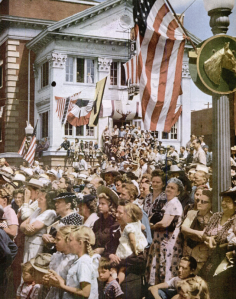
{"x": 133, "y": 243}
{"x": 57, "y": 281}
{"x": 191, "y": 233}
{"x": 164, "y": 223}
{"x": 31, "y": 229}
{"x": 12, "y": 230}
{"x": 154, "y": 289}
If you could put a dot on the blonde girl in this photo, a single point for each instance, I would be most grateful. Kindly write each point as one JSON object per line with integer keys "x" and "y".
{"x": 81, "y": 279}
{"x": 62, "y": 260}
{"x": 132, "y": 240}
{"x": 192, "y": 288}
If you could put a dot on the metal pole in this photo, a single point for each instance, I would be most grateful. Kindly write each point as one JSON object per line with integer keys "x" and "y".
{"x": 29, "y": 87}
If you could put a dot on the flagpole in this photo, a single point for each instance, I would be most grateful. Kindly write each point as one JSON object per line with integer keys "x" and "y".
{"x": 181, "y": 25}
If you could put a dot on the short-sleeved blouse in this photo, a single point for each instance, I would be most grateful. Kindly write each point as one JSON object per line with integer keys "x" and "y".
{"x": 174, "y": 208}
{"x": 82, "y": 270}
{"x": 47, "y": 217}
{"x": 151, "y": 207}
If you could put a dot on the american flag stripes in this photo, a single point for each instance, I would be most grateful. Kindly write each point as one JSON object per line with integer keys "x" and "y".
{"x": 64, "y": 106}
{"x": 31, "y": 151}
{"x": 131, "y": 70}
{"x": 160, "y": 47}
{"x": 22, "y": 150}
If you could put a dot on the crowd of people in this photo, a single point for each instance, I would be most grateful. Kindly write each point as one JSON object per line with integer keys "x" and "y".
{"x": 138, "y": 224}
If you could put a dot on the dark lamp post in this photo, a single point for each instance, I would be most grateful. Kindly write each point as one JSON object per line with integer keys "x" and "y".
{"x": 219, "y": 10}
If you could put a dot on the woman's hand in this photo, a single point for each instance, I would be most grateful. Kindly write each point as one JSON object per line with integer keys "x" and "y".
{"x": 99, "y": 250}
{"x": 210, "y": 242}
{"x": 114, "y": 258}
{"x": 47, "y": 238}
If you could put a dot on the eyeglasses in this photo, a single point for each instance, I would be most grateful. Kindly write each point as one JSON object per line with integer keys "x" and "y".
{"x": 202, "y": 201}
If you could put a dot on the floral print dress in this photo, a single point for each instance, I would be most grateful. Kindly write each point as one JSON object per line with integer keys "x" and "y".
{"x": 166, "y": 249}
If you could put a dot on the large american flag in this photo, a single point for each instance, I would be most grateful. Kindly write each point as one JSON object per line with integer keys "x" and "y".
{"x": 64, "y": 106}
{"x": 160, "y": 47}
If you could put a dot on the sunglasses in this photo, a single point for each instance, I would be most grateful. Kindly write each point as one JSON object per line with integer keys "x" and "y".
{"x": 202, "y": 201}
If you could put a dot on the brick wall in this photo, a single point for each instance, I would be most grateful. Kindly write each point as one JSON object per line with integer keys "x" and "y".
{"x": 41, "y": 9}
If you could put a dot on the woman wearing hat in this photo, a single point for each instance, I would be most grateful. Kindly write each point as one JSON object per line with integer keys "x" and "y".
{"x": 166, "y": 248}
{"x": 81, "y": 280}
{"x": 35, "y": 226}
{"x": 108, "y": 201}
{"x": 219, "y": 235}
{"x": 88, "y": 209}
{"x": 65, "y": 204}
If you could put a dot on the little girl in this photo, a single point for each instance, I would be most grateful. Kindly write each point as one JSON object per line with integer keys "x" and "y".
{"x": 28, "y": 289}
{"x": 132, "y": 240}
{"x": 61, "y": 261}
{"x": 81, "y": 279}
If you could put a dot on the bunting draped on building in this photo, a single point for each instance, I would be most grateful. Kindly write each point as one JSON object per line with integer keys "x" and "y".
{"x": 119, "y": 110}
{"x": 131, "y": 70}
{"x": 160, "y": 46}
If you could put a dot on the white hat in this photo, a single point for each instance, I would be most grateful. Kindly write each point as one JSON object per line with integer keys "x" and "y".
{"x": 35, "y": 183}
{"x": 82, "y": 176}
{"x": 74, "y": 174}
{"x": 202, "y": 167}
{"x": 175, "y": 168}
{"x": 28, "y": 171}
{"x": 19, "y": 177}
{"x": 52, "y": 172}
{"x": 7, "y": 169}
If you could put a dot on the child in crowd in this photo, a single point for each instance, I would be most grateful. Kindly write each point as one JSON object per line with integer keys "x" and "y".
{"x": 132, "y": 240}
{"x": 108, "y": 273}
{"x": 192, "y": 288}
{"x": 61, "y": 261}
{"x": 28, "y": 289}
{"x": 81, "y": 280}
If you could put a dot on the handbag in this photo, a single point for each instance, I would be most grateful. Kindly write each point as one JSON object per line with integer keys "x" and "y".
{"x": 157, "y": 217}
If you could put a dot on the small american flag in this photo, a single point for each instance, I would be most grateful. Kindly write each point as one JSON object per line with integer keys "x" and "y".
{"x": 29, "y": 157}
{"x": 22, "y": 150}
{"x": 131, "y": 70}
{"x": 160, "y": 47}
{"x": 64, "y": 106}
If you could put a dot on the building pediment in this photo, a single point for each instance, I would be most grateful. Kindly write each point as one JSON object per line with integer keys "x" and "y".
{"x": 110, "y": 21}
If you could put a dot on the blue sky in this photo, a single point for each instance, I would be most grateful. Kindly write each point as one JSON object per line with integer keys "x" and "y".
{"x": 196, "y": 20}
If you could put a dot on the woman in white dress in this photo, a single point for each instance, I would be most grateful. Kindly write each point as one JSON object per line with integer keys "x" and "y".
{"x": 36, "y": 225}
{"x": 166, "y": 249}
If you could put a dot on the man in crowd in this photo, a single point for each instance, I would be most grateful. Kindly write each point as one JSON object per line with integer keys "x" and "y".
{"x": 199, "y": 155}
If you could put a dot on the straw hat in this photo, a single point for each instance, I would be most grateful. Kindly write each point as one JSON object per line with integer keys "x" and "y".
{"x": 175, "y": 168}
{"x": 109, "y": 169}
{"x": 201, "y": 167}
{"x": 35, "y": 183}
{"x": 52, "y": 172}
{"x": 110, "y": 193}
{"x": 41, "y": 262}
{"x": 19, "y": 177}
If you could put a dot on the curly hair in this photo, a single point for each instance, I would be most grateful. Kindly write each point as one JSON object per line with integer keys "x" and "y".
{"x": 195, "y": 287}
{"x": 132, "y": 190}
{"x": 133, "y": 211}
{"x": 91, "y": 188}
{"x": 50, "y": 195}
{"x": 112, "y": 206}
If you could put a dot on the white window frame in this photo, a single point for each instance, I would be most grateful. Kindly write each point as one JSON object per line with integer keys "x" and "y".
{"x": 85, "y": 128}
{"x": 41, "y": 75}
{"x": 74, "y": 70}
{"x": 119, "y": 66}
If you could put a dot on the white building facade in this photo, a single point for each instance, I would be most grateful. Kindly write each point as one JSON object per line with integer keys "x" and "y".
{"x": 73, "y": 54}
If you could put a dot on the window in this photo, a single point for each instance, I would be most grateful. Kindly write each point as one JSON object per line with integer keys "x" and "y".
{"x": 69, "y": 69}
{"x": 89, "y": 131}
{"x": 90, "y": 71}
{"x": 173, "y": 132}
{"x": 80, "y": 131}
{"x": 173, "y": 135}
{"x": 113, "y": 73}
{"x": 80, "y": 70}
{"x": 44, "y": 74}
{"x": 44, "y": 124}
{"x": 68, "y": 129}
{"x": 122, "y": 74}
